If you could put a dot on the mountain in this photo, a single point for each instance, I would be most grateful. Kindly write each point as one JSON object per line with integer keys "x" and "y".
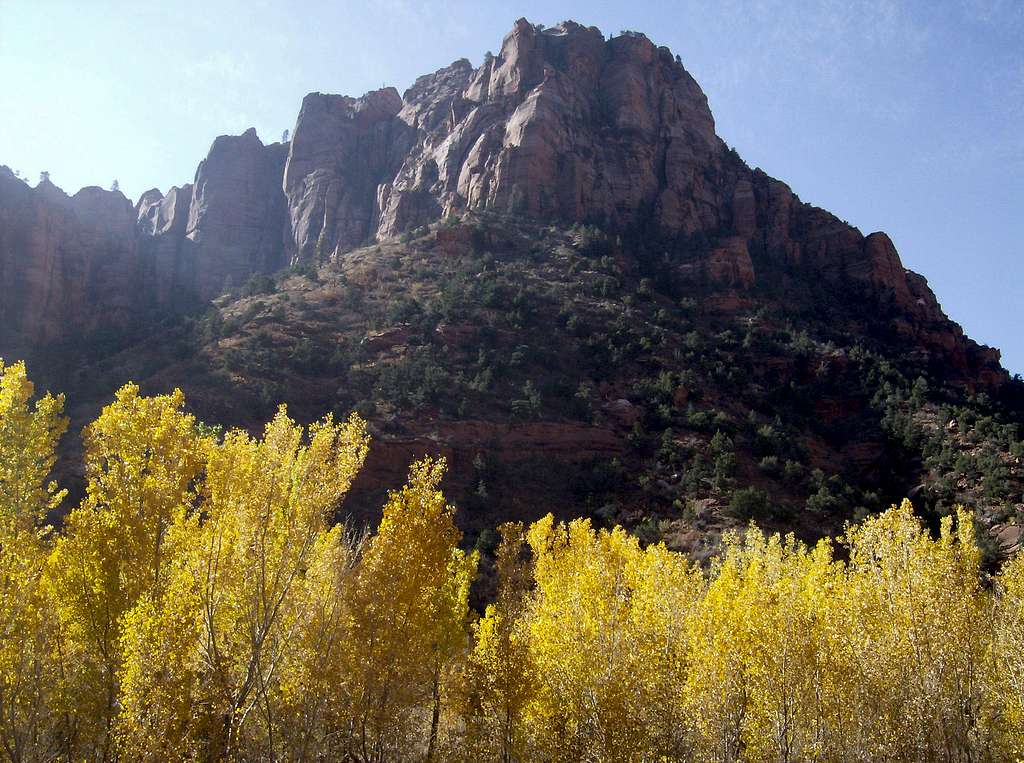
{"x": 551, "y": 269}
{"x": 93, "y": 261}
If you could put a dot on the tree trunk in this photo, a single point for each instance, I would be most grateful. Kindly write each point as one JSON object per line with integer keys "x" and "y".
{"x": 436, "y": 715}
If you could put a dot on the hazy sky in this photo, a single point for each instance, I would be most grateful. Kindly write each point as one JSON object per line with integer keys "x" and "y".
{"x": 906, "y": 117}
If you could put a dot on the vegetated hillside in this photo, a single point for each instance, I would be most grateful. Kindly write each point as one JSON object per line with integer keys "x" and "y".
{"x": 549, "y": 268}
{"x": 561, "y": 369}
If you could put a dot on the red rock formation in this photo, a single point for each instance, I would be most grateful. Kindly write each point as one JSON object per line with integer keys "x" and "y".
{"x": 340, "y": 149}
{"x": 562, "y": 125}
{"x": 168, "y": 269}
{"x": 727, "y": 266}
{"x": 71, "y": 265}
{"x": 566, "y": 125}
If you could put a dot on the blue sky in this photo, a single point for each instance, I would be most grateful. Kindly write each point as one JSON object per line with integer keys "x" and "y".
{"x": 906, "y": 117}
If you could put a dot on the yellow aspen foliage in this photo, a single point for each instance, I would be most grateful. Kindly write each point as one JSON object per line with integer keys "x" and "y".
{"x": 141, "y": 457}
{"x": 29, "y": 434}
{"x": 408, "y": 610}
{"x": 909, "y": 630}
{"x": 1006, "y": 679}
{"x": 755, "y": 649}
{"x": 594, "y": 635}
{"x": 309, "y": 686}
{"x": 663, "y": 590}
{"x": 162, "y": 711}
{"x": 201, "y": 604}
{"x": 30, "y": 726}
{"x": 255, "y": 569}
{"x": 500, "y": 677}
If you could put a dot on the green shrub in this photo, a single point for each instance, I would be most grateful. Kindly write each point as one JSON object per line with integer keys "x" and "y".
{"x": 259, "y": 283}
{"x": 590, "y": 241}
{"x": 748, "y": 504}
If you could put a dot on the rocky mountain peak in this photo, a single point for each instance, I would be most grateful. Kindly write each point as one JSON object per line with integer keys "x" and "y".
{"x": 561, "y": 126}
{"x": 547, "y": 267}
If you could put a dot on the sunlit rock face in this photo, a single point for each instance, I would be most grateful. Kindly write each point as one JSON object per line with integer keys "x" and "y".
{"x": 563, "y": 125}
{"x": 340, "y": 150}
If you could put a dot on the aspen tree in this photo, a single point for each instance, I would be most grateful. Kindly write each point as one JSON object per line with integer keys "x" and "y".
{"x": 408, "y": 610}
{"x": 718, "y": 689}
{"x": 664, "y": 590}
{"x": 266, "y": 527}
{"x": 1006, "y": 670}
{"x": 914, "y": 624}
{"x": 228, "y": 662}
{"x": 141, "y": 458}
{"x": 595, "y": 633}
{"x": 29, "y": 434}
{"x": 200, "y": 604}
{"x": 163, "y": 713}
{"x": 500, "y": 673}
{"x": 756, "y": 648}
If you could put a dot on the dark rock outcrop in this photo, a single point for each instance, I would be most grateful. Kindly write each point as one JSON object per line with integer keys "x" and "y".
{"x": 236, "y": 221}
{"x": 72, "y": 265}
{"x": 62, "y": 256}
{"x": 168, "y": 271}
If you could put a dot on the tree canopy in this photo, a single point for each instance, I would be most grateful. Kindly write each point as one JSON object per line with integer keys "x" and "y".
{"x": 201, "y": 602}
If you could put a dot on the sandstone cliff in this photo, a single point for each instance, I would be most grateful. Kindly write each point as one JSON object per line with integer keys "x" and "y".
{"x": 236, "y": 221}
{"x": 61, "y": 256}
{"x": 563, "y": 125}
{"x": 72, "y": 265}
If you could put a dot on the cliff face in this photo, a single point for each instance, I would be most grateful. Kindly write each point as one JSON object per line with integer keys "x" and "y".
{"x": 61, "y": 255}
{"x": 563, "y": 126}
{"x": 167, "y": 268}
{"x": 340, "y": 151}
{"x": 236, "y": 221}
{"x": 72, "y": 265}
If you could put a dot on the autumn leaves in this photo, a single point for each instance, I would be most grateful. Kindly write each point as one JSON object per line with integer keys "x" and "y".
{"x": 200, "y": 604}
{"x": 597, "y": 649}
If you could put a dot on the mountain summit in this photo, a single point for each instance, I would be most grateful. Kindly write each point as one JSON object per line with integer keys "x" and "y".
{"x": 549, "y": 256}
{"x": 562, "y": 126}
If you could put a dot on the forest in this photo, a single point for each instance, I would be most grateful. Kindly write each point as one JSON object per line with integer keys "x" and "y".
{"x": 201, "y": 602}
